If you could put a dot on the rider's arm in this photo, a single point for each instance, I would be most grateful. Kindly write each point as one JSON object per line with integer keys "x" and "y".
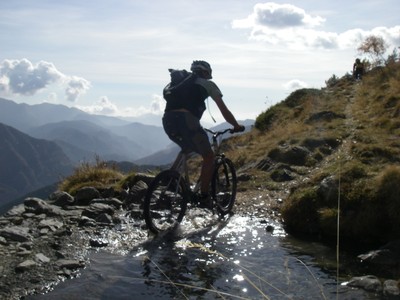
{"x": 226, "y": 113}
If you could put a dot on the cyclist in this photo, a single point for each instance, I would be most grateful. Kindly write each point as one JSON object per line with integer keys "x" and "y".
{"x": 182, "y": 124}
{"x": 358, "y": 69}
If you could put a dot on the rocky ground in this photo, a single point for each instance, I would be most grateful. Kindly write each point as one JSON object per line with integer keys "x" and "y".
{"x": 43, "y": 242}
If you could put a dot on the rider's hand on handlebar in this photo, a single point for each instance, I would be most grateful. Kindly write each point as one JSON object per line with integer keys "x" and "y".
{"x": 238, "y": 128}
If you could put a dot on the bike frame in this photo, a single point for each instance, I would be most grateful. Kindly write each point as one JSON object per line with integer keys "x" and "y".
{"x": 180, "y": 163}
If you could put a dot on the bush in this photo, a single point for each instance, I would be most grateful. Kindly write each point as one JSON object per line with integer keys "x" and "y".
{"x": 265, "y": 120}
{"x": 332, "y": 81}
{"x": 300, "y": 212}
{"x": 388, "y": 193}
{"x": 97, "y": 175}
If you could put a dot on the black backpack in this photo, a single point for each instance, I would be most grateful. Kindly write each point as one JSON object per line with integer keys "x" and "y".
{"x": 183, "y": 92}
{"x": 181, "y": 86}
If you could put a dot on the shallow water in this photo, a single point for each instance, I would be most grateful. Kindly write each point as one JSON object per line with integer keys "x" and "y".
{"x": 209, "y": 259}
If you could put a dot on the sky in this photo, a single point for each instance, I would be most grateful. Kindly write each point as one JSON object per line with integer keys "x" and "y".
{"x": 112, "y": 57}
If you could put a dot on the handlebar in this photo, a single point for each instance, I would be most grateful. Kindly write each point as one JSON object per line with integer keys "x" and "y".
{"x": 223, "y": 131}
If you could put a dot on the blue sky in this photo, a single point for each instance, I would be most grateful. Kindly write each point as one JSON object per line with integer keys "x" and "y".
{"x": 111, "y": 57}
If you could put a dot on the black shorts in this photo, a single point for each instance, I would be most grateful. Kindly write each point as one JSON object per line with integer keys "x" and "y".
{"x": 185, "y": 130}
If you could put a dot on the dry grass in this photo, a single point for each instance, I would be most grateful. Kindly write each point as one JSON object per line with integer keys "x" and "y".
{"x": 98, "y": 175}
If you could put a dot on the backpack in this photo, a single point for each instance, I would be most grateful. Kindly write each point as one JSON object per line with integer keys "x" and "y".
{"x": 183, "y": 92}
{"x": 180, "y": 87}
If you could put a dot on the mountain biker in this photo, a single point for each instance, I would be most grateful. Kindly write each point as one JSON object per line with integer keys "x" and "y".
{"x": 182, "y": 124}
{"x": 358, "y": 69}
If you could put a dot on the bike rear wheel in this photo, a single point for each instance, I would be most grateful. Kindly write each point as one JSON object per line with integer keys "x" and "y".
{"x": 165, "y": 201}
{"x": 223, "y": 185}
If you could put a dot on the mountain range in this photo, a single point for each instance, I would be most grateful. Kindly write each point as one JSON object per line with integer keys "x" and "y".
{"x": 45, "y": 141}
{"x": 28, "y": 163}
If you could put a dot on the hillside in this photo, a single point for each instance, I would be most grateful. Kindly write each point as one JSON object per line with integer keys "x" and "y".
{"x": 321, "y": 148}
{"x": 28, "y": 163}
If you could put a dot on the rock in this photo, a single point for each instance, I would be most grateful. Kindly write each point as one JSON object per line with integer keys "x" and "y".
{"x": 324, "y": 116}
{"x": 270, "y": 228}
{"x": 264, "y": 164}
{"x": 42, "y": 258}
{"x": 15, "y": 211}
{"x": 391, "y": 288}
{"x": 85, "y": 195}
{"x": 369, "y": 283}
{"x": 386, "y": 259}
{"x": 96, "y": 209}
{"x": 136, "y": 193}
{"x": 18, "y": 234}
{"x": 26, "y": 265}
{"x": 281, "y": 173}
{"x": 328, "y": 188}
{"x": 69, "y": 264}
{"x": 87, "y": 222}
{"x": 294, "y": 155}
{"x": 110, "y": 201}
{"x": 104, "y": 218}
{"x": 51, "y": 224}
{"x": 39, "y": 206}
{"x": 244, "y": 177}
{"x": 62, "y": 199}
{"x": 97, "y": 243}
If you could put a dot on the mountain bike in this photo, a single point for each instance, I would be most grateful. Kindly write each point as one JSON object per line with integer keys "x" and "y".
{"x": 171, "y": 193}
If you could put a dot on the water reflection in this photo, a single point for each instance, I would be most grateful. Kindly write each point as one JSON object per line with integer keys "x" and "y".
{"x": 234, "y": 259}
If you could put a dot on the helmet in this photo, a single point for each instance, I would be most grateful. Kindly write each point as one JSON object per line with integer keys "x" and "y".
{"x": 201, "y": 66}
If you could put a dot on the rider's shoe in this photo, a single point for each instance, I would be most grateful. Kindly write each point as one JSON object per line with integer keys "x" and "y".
{"x": 204, "y": 201}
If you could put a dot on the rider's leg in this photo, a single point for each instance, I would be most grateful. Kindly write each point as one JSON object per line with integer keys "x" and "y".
{"x": 207, "y": 172}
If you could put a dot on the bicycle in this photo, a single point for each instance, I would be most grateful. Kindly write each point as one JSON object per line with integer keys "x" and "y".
{"x": 170, "y": 193}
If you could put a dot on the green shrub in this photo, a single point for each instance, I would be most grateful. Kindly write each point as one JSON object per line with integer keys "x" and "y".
{"x": 300, "y": 211}
{"x": 265, "y": 120}
{"x": 332, "y": 81}
{"x": 299, "y": 96}
{"x": 388, "y": 193}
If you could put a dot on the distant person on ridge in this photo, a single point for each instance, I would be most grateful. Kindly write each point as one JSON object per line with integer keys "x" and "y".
{"x": 181, "y": 122}
{"x": 358, "y": 69}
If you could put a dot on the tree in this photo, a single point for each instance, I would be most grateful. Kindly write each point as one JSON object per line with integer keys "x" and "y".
{"x": 375, "y": 47}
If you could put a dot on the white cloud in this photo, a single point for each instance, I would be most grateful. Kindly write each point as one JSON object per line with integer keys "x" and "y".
{"x": 291, "y": 26}
{"x": 295, "y": 84}
{"x": 156, "y": 107}
{"x": 22, "y": 77}
{"x": 273, "y": 15}
{"x": 76, "y": 87}
{"x": 106, "y": 107}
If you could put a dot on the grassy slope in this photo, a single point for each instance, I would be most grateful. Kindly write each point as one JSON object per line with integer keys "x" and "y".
{"x": 338, "y": 143}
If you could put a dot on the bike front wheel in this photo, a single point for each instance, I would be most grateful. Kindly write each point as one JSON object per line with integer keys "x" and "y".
{"x": 223, "y": 185}
{"x": 165, "y": 202}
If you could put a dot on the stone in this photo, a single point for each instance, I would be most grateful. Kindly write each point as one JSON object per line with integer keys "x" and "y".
{"x": 18, "y": 234}
{"x": 85, "y": 195}
{"x": 96, "y": 209}
{"x": 391, "y": 288}
{"x": 137, "y": 193}
{"x": 42, "y": 258}
{"x": 16, "y": 211}
{"x": 110, "y": 201}
{"x": 62, "y": 199}
{"x": 39, "y": 206}
{"x": 51, "y": 224}
{"x": 26, "y": 265}
{"x": 104, "y": 218}
{"x": 369, "y": 283}
{"x": 69, "y": 264}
